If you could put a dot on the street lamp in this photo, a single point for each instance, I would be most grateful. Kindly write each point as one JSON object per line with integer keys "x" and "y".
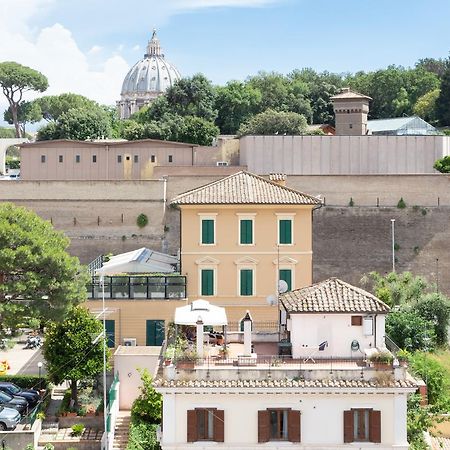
{"x": 39, "y": 364}
{"x": 393, "y": 243}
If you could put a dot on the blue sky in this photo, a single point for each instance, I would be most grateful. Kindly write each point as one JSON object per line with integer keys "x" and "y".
{"x": 86, "y": 46}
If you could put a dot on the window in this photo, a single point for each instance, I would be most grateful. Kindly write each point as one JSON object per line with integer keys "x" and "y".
{"x": 207, "y": 282}
{"x": 286, "y": 275}
{"x": 208, "y": 226}
{"x": 205, "y": 424}
{"x": 356, "y": 321}
{"x": 246, "y": 282}
{"x": 119, "y": 158}
{"x": 246, "y": 232}
{"x": 170, "y": 158}
{"x": 278, "y": 425}
{"x": 127, "y": 157}
{"x": 285, "y": 231}
{"x": 77, "y": 158}
{"x": 94, "y": 158}
{"x": 362, "y": 425}
{"x": 60, "y": 158}
{"x": 152, "y": 158}
{"x": 350, "y": 126}
{"x": 42, "y": 158}
{"x": 136, "y": 159}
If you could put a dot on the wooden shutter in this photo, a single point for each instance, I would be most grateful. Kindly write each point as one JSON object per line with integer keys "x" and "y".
{"x": 285, "y": 231}
{"x": 219, "y": 425}
{"x": 375, "y": 426}
{"x": 246, "y": 282}
{"x": 294, "y": 426}
{"x": 348, "y": 426}
{"x": 286, "y": 275}
{"x": 207, "y": 282}
{"x": 263, "y": 426}
{"x": 356, "y": 321}
{"x": 246, "y": 231}
{"x": 207, "y": 231}
{"x": 191, "y": 425}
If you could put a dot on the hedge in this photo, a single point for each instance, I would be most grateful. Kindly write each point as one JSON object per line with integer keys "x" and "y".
{"x": 27, "y": 381}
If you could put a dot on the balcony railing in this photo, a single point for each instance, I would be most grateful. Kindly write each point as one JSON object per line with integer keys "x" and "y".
{"x": 139, "y": 287}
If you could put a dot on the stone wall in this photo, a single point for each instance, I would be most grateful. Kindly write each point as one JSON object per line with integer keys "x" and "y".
{"x": 100, "y": 217}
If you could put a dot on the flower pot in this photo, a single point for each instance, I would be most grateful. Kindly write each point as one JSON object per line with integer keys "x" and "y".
{"x": 185, "y": 364}
{"x": 382, "y": 365}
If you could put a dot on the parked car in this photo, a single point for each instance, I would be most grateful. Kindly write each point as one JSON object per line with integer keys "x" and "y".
{"x": 30, "y": 395}
{"x": 9, "y": 418}
{"x": 15, "y": 402}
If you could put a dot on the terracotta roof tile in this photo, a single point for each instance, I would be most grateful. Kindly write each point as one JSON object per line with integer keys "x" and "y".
{"x": 332, "y": 295}
{"x": 283, "y": 383}
{"x": 244, "y": 188}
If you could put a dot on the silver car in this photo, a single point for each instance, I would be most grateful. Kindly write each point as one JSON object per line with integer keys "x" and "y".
{"x": 9, "y": 418}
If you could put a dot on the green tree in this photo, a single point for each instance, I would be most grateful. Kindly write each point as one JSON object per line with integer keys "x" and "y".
{"x": 425, "y": 106}
{"x": 78, "y": 124}
{"x": 37, "y": 276}
{"x": 7, "y": 133}
{"x": 69, "y": 351}
{"x": 433, "y": 65}
{"x": 443, "y": 101}
{"x": 192, "y": 96}
{"x": 435, "y": 308}
{"x": 196, "y": 130}
{"x": 236, "y": 102}
{"x": 27, "y": 112}
{"x": 15, "y": 80}
{"x": 396, "y": 289}
{"x": 443, "y": 164}
{"x": 274, "y": 122}
{"x": 53, "y": 106}
{"x": 148, "y": 406}
{"x": 410, "y": 331}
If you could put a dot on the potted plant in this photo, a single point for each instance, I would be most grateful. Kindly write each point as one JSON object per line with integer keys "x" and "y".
{"x": 403, "y": 357}
{"x": 381, "y": 359}
{"x": 223, "y": 351}
{"x": 187, "y": 359}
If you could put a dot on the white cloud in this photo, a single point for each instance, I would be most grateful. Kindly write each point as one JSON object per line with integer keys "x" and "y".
{"x": 194, "y": 4}
{"x": 136, "y": 48}
{"x": 54, "y": 52}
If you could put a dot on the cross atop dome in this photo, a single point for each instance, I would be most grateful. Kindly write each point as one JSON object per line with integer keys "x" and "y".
{"x": 153, "y": 47}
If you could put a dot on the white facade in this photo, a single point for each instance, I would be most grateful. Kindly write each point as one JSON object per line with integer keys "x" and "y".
{"x": 307, "y": 331}
{"x": 321, "y": 422}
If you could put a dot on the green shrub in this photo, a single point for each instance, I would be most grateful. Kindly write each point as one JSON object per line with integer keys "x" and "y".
{"x": 142, "y": 436}
{"x": 26, "y": 381}
{"x": 77, "y": 429}
{"x": 443, "y": 164}
{"x": 424, "y": 212}
{"x": 142, "y": 220}
{"x": 148, "y": 405}
{"x": 351, "y": 202}
{"x": 401, "y": 204}
{"x": 396, "y": 246}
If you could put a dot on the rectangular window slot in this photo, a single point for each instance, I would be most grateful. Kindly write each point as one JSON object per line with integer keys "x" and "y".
{"x": 207, "y": 231}
{"x": 42, "y": 158}
{"x": 136, "y": 159}
{"x": 246, "y": 281}
{"x": 207, "y": 280}
{"x": 170, "y": 158}
{"x": 285, "y": 231}
{"x": 60, "y": 158}
{"x": 246, "y": 231}
{"x": 77, "y": 158}
{"x": 119, "y": 158}
{"x": 94, "y": 158}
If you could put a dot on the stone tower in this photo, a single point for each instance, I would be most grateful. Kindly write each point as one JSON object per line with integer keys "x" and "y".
{"x": 350, "y": 109}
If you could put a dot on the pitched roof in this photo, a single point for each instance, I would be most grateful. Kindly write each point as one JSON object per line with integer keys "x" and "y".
{"x": 283, "y": 383}
{"x": 244, "y": 188}
{"x": 332, "y": 295}
{"x": 396, "y": 123}
{"x": 347, "y": 93}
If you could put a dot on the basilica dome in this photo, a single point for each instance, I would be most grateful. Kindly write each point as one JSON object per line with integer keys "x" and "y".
{"x": 147, "y": 79}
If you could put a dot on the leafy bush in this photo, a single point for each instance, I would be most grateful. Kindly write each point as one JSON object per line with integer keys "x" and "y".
{"x": 381, "y": 357}
{"x": 142, "y": 436}
{"x": 26, "y": 381}
{"x": 443, "y": 164}
{"x": 418, "y": 421}
{"x": 77, "y": 429}
{"x": 410, "y": 331}
{"x": 351, "y": 202}
{"x": 142, "y": 220}
{"x": 401, "y": 204}
{"x": 435, "y": 308}
{"x": 148, "y": 405}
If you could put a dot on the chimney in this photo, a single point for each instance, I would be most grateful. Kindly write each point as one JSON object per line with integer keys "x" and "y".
{"x": 278, "y": 178}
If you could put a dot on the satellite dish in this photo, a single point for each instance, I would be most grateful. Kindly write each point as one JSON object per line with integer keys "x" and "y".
{"x": 282, "y": 286}
{"x": 271, "y": 300}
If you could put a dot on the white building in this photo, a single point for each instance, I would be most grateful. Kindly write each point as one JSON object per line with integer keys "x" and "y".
{"x": 305, "y": 401}
{"x": 146, "y": 80}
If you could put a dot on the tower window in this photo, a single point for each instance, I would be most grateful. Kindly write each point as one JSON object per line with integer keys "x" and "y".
{"x": 60, "y": 158}
{"x": 136, "y": 159}
{"x": 94, "y": 158}
{"x": 119, "y": 158}
{"x": 350, "y": 126}
{"x": 152, "y": 158}
{"x": 77, "y": 158}
{"x": 170, "y": 158}
{"x": 42, "y": 158}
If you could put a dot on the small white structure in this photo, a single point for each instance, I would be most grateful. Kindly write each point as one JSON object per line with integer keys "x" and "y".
{"x": 142, "y": 260}
{"x": 348, "y": 319}
{"x": 209, "y": 314}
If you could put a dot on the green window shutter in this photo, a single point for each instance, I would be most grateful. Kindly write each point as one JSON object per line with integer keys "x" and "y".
{"x": 207, "y": 282}
{"x": 246, "y": 282}
{"x": 286, "y": 275}
{"x": 110, "y": 328}
{"x": 247, "y": 231}
{"x": 207, "y": 231}
{"x": 285, "y": 231}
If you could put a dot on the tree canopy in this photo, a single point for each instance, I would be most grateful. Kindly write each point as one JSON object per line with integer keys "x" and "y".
{"x": 443, "y": 164}
{"x": 15, "y": 80}
{"x": 69, "y": 349}
{"x": 37, "y": 276}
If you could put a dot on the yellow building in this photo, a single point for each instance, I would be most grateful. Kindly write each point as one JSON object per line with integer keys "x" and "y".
{"x": 240, "y": 236}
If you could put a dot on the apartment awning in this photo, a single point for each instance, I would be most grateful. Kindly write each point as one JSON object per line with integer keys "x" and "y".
{"x": 142, "y": 260}
{"x": 200, "y": 309}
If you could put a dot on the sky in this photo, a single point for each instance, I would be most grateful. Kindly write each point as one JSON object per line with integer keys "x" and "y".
{"x": 87, "y": 46}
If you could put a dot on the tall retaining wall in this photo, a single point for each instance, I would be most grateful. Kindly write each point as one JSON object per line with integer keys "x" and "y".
{"x": 100, "y": 217}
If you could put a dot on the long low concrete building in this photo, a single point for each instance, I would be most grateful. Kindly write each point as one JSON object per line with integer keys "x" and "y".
{"x": 342, "y": 155}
